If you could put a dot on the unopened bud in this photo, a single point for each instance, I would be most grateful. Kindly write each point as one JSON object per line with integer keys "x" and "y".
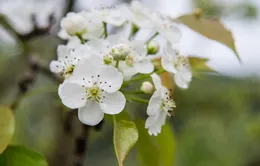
{"x": 73, "y": 23}
{"x": 153, "y": 47}
{"x": 108, "y": 59}
{"x": 120, "y": 51}
{"x": 147, "y": 87}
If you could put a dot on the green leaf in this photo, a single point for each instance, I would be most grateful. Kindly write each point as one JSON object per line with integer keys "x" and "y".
{"x": 210, "y": 28}
{"x": 7, "y": 125}
{"x": 21, "y": 156}
{"x": 155, "y": 150}
{"x": 200, "y": 64}
{"x": 125, "y": 137}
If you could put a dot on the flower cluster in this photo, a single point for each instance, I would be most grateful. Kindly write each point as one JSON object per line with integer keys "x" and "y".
{"x": 97, "y": 66}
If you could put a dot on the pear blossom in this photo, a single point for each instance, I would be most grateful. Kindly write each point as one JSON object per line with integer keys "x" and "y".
{"x": 147, "y": 18}
{"x": 131, "y": 55}
{"x": 94, "y": 90}
{"x": 80, "y": 24}
{"x": 178, "y": 65}
{"x": 110, "y": 14}
{"x": 68, "y": 57}
{"x": 138, "y": 14}
{"x": 160, "y": 105}
{"x": 166, "y": 28}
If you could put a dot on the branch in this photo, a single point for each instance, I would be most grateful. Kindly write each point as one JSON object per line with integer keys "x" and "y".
{"x": 38, "y": 31}
{"x": 28, "y": 79}
{"x": 70, "y": 6}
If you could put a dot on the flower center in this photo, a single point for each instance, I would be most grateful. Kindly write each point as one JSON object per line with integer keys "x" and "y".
{"x": 67, "y": 72}
{"x": 168, "y": 104}
{"x": 108, "y": 59}
{"x": 120, "y": 51}
{"x": 129, "y": 60}
{"x": 94, "y": 93}
{"x": 181, "y": 61}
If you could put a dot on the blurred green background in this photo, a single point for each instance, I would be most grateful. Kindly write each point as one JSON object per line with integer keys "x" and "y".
{"x": 217, "y": 120}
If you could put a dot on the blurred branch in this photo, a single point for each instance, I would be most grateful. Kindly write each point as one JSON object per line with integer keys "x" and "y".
{"x": 28, "y": 79}
{"x": 81, "y": 144}
{"x": 70, "y": 6}
{"x": 38, "y": 31}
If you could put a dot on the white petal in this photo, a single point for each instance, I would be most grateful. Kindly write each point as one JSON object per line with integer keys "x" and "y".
{"x": 156, "y": 81}
{"x": 173, "y": 34}
{"x": 139, "y": 47}
{"x": 115, "y": 18}
{"x": 154, "y": 123}
{"x": 150, "y": 121}
{"x": 72, "y": 95}
{"x": 115, "y": 39}
{"x": 113, "y": 103}
{"x": 151, "y": 124}
{"x": 168, "y": 61}
{"x": 128, "y": 71}
{"x": 155, "y": 103}
{"x": 145, "y": 66}
{"x": 186, "y": 73}
{"x": 111, "y": 79}
{"x": 73, "y": 42}
{"x": 88, "y": 67}
{"x": 180, "y": 81}
{"x": 91, "y": 114}
{"x": 56, "y": 67}
{"x": 62, "y": 52}
{"x": 161, "y": 118}
{"x": 63, "y": 34}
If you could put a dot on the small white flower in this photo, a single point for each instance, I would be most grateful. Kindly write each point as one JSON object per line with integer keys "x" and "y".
{"x": 179, "y": 65}
{"x": 80, "y": 24}
{"x": 132, "y": 55}
{"x": 94, "y": 90}
{"x": 111, "y": 15}
{"x": 138, "y": 14}
{"x": 148, "y": 18}
{"x": 147, "y": 87}
{"x": 68, "y": 57}
{"x": 160, "y": 105}
{"x": 166, "y": 28}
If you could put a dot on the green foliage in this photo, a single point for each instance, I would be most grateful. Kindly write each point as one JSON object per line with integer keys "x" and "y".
{"x": 209, "y": 7}
{"x": 7, "y": 126}
{"x": 21, "y": 156}
{"x": 125, "y": 137}
{"x": 210, "y": 28}
{"x": 155, "y": 151}
{"x": 199, "y": 64}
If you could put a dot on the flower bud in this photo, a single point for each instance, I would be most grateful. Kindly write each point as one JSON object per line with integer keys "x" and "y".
{"x": 108, "y": 59}
{"x": 147, "y": 87}
{"x": 120, "y": 51}
{"x": 153, "y": 47}
{"x": 73, "y": 23}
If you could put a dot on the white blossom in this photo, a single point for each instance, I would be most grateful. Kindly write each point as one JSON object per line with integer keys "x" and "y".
{"x": 178, "y": 65}
{"x": 166, "y": 28}
{"x": 94, "y": 90}
{"x": 80, "y": 24}
{"x": 160, "y": 105}
{"x": 68, "y": 57}
{"x": 138, "y": 14}
{"x": 132, "y": 55}
{"x": 148, "y": 18}
{"x": 111, "y": 14}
